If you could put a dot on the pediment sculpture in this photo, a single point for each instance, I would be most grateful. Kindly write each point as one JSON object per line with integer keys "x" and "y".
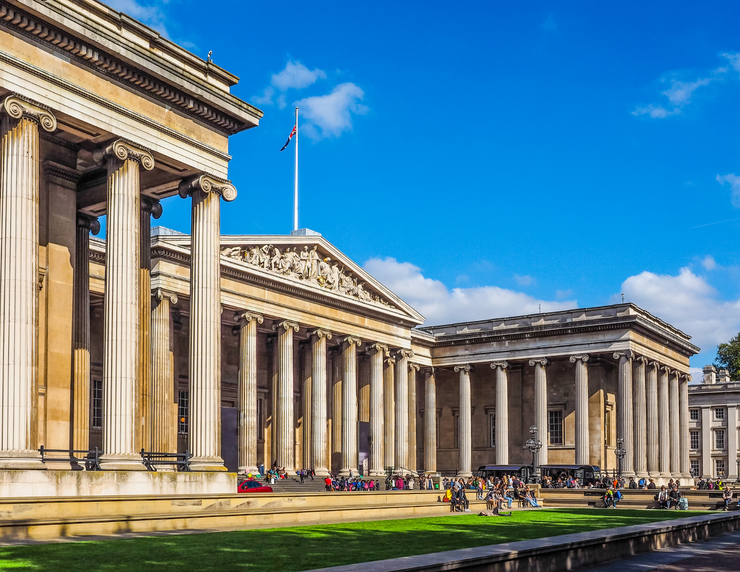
{"x": 307, "y": 265}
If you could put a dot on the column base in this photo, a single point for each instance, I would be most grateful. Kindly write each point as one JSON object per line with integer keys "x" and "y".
{"x": 346, "y": 472}
{"x": 687, "y": 476}
{"x": 376, "y": 473}
{"x": 464, "y": 474}
{"x": 641, "y": 474}
{"x": 21, "y": 460}
{"x": 323, "y": 473}
{"x": 628, "y": 474}
{"x": 210, "y": 464}
{"x": 122, "y": 463}
{"x": 247, "y": 470}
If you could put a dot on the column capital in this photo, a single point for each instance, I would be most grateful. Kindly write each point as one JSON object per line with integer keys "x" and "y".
{"x": 17, "y": 107}
{"x": 653, "y": 363}
{"x": 243, "y": 318}
{"x": 464, "y": 367}
{"x": 390, "y": 360}
{"x": 160, "y": 295}
{"x": 379, "y": 348}
{"x": 88, "y": 222}
{"x": 287, "y": 325}
{"x": 581, "y": 357}
{"x": 125, "y": 150}
{"x": 400, "y": 354}
{"x": 665, "y": 369}
{"x": 542, "y": 361}
{"x": 627, "y": 354}
{"x": 414, "y": 366}
{"x": 686, "y": 376}
{"x": 208, "y": 184}
{"x": 640, "y": 359}
{"x": 319, "y": 333}
{"x": 352, "y": 340}
{"x": 152, "y": 206}
{"x": 500, "y": 364}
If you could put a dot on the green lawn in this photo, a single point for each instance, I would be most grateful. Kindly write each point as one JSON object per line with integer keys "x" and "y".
{"x": 307, "y": 547}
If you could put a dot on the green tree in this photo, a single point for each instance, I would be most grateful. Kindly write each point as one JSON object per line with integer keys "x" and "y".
{"x": 728, "y": 357}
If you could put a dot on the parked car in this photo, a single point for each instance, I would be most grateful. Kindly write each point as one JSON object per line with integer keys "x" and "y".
{"x": 252, "y": 486}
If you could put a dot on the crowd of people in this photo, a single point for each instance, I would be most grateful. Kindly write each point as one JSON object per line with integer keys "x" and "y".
{"x": 495, "y": 490}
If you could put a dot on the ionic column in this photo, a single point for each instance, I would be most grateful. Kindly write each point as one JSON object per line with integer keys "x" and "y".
{"x": 402, "y": 409}
{"x": 247, "y": 391}
{"x": 19, "y": 277}
{"x": 430, "y": 423}
{"x": 651, "y": 392}
{"x": 121, "y": 365}
{"x": 81, "y": 375}
{"x": 664, "y": 426}
{"x": 284, "y": 434}
{"x": 205, "y": 319}
{"x": 674, "y": 414}
{"x": 540, "y": 405}
{"x": 307, "y": 369}
{"x": 162, "y": 374}
{"x": 377, "y": 416}
{"x": 149, "y": 208}
{"x": 413, "y": 368}
{"x": 624, "y": 398}
{"x": 318, "y": 402}
{"x": 502, "y": 412}
{"x": 389, "y": 410}
{"x": 683, "y": 422}
{"x": 640, "y": 416}
{"x": 349, "y": 405}
{"x": 581, "y": 383}
{"x": 465, "y": 439}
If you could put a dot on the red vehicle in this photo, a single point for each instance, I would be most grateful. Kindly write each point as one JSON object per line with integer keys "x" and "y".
{"x": 252, "y": 486}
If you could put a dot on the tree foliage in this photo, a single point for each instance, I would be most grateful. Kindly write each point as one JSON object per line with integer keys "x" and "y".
{"x": 728, "y": 357}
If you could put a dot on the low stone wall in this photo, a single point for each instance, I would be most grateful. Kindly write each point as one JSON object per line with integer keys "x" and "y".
{"x": 556, "y": 553}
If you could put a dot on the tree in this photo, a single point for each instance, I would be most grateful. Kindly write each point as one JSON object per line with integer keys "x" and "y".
{"x": 728, "y": 357}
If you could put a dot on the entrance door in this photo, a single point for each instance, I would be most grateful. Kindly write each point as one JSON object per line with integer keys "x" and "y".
{"x": 229, "y": 438}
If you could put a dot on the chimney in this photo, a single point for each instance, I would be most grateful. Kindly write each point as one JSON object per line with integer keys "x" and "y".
{"x": 710, "y": 374}
{"x": 724, "y": 376}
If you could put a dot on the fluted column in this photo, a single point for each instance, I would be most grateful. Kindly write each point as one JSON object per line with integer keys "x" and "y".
{"x": 121, "y": 365}
{"x": 651, "y": 399}
{"x": 389, "y": 410}
{"x": 624, "y": 410}
{"x": 307, "y": 426}
{"x": 465, "y": 438}
{"x": 683, "y": 416}
{"x": 81, "y": 375}
{"x": 349, "y": 405}
{"x": 162, "y": 374}
{"x": 319, "y": 443}
{"x": 664, "y": 427}
{"x": 413, "y": 368}
{"x": 674, "y": 414}
{"x": 247, "y": 390}
{"x": 430, "y": 423}
{"x": 205, "y": 319}
{"x": 581, "y": 383}
{"x": 540, "y": 405}
{"x": 144, "y": 430}
{"x": 402, "y": 409}
{"x": 19, "y": 277}
{"x": 377, "y": 416}
{"x": 640, "y": 416}
{"x": 502, "y": 412}
{"x": 284, "y": 433}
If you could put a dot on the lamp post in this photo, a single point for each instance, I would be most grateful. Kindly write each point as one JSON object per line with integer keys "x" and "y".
{"x": 620, "y": 452}
{"x": 737, "y": 480}
{"x": 533, "y": 444}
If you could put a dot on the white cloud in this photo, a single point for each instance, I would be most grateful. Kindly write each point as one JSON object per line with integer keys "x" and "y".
{"x": 654, "y": 111}
{"x": 524, "y": 280}
{"x": 330, "y": 115}
{"x": 709, "y": 263}
{"x": 686, "y": 301}
{"x": 296, "y": 76}
{"x": 733, "y": 58}
{"x": 680, "y": 92}
{"x": 734, "y": 181}
{"x": 440, "y": 305}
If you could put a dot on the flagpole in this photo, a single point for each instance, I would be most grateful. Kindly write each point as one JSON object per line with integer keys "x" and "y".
{"x": 295, "y": 191}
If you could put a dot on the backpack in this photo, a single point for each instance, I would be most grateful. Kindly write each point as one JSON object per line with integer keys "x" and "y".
{"x": 618, "y": 495}
{"x": 683, "y": 503}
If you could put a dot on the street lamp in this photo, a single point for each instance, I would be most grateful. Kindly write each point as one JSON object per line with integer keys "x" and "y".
{"x": 533, "y": 444}
{"x": 620, "y": 452}
{"x": 738, "y": 471}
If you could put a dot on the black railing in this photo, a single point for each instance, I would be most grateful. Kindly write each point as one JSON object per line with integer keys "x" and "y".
{"x": 153, "y": 459}
{"x": 90, "y": 458}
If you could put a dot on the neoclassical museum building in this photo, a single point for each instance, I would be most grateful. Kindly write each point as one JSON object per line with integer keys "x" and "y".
{"x": 247, "y": 350}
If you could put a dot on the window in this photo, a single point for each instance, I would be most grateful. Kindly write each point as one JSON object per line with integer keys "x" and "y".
{"x": 719, "y": 439}
{"x": 719, "y": 468}
{"x": 555, "y": 427}
{"x": 492, "y": 428}
{"x": 719, "y": 414}
{"x": 182, "y": 413}
{"x": 97, "y": 404}
{"x": 694, "y": 439}
{"x": 695, "y": 468}
{"x": 694, "y": 413}
{"x": 259, "y": 420}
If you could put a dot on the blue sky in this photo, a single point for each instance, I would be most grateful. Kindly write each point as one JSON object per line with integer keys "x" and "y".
{"x": 486, "y": 158}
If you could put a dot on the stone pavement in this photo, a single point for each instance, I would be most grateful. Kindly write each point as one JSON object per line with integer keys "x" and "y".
{"x": 718, "y": 554}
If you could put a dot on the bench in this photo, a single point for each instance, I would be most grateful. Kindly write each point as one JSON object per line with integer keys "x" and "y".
{"x": 151, "y": 459}
{"x": 90, "y": 458}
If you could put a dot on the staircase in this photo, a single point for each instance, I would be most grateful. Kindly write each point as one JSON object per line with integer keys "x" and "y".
{"x": 293, "y": 485}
